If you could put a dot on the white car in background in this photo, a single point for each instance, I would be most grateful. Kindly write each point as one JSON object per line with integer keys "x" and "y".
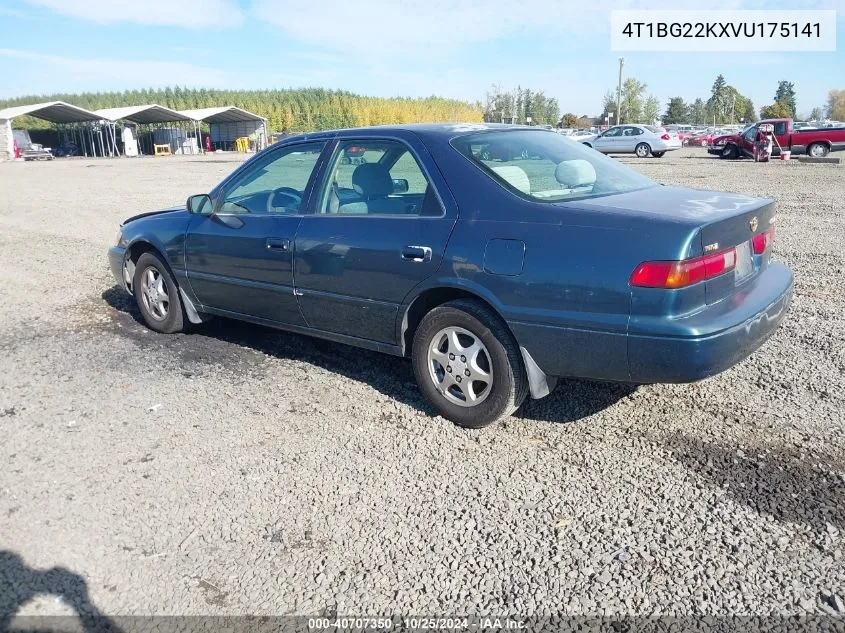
{"x": 641, "y": 140}
{"x": 580, "y": 135}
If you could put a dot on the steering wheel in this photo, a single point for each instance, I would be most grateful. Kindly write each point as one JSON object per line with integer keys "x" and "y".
{"x": 289, "y": 198}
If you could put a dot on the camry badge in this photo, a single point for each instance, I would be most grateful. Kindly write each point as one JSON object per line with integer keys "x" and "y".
{"x": 753, "y": 224}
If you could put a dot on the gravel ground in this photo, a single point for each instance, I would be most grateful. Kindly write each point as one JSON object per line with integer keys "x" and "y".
{"x": 243, "y": 470}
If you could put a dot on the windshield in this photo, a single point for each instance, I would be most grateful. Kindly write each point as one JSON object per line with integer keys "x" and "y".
{"x": 548, "y": 167}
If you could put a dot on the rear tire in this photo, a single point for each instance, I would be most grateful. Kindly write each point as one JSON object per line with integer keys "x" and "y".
{"x": 642, "y": 150}
{"x": 157, "y": 295}
{"x": 818, "y": 150}
{"x": 587, "y": 144}
{"x": 446, "y": 331}
{"x": 729, "y": 152}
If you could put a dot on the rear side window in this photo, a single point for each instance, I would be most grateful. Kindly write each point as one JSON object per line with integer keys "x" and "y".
{"x": 780, "y": 128}
{"x": 547, "y": 167}
{"x": 377, "y": 177}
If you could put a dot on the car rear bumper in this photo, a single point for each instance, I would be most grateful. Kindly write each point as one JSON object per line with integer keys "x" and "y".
{"x": 715, "y": 149}
{"x": 716, "y": 338}
{"x": 117, "y": 257}
{"x": 663, "y": 349}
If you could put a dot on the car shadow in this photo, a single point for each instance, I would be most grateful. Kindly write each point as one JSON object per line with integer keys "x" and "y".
{"x": 21, "y": 583}
{"x": 791, "y": 486}
{"x": 221, "y": 338}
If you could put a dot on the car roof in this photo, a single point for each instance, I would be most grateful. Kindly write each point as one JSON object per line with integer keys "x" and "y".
{"x": 423, "y": 130}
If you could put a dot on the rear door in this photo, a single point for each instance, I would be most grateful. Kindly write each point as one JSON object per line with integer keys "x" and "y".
{"x": 629, "y": 139}
{"x": 239, "y": 259}
{"x": 380, "y": 227}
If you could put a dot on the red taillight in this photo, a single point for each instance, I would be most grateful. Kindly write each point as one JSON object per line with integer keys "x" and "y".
{"x": 678, "y": 274}
{"x": 665, "y": 137}
{"x": 763, "y": 240}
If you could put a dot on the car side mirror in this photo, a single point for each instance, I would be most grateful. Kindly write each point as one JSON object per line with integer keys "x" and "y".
{"x": 400, "y": 185}
{"x": 200, "y": 204}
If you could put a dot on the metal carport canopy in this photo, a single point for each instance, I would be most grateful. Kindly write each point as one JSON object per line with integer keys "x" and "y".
{"x": 52, "y": 111}
{"x": 142, "y": 115}
{"x": 225, "y": 114}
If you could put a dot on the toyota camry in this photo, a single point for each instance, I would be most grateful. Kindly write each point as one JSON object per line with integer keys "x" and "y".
{"x": 498, "y": 258}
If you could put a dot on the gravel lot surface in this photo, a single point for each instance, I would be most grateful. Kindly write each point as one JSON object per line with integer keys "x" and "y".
{"x": 243, "y": 470}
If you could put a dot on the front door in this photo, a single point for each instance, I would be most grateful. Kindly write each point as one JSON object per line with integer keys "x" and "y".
{"x": 380, "y": 227}
{"x": 608, "y": 141}
{"x": 239, "y": 259}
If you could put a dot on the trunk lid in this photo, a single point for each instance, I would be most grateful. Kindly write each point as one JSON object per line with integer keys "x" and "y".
{"x": 676, "y": 223}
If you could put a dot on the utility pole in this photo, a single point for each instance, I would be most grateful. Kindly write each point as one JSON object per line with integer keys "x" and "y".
{"x": 619, "y": 93}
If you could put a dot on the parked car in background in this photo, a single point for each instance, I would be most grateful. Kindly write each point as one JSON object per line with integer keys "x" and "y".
{"x": 30, "y": 151}
{"x": 495, "y": 276}
{"x": 705, "y": 138}
{"x": 817, "y": 142}
{"x": 642, "y": 140}
{"x": 580, "y": 135}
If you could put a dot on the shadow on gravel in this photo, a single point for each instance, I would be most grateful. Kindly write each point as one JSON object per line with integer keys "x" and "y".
{"x": 575, "y": 399}
{"x": 790, "y": 485}
{"x": 221, "y": 341}
{"x": 19, "y": 584}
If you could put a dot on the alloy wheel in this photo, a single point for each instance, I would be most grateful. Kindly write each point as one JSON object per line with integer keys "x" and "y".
{"x": 154, "y": 294}
{"x": 460, "y": 366}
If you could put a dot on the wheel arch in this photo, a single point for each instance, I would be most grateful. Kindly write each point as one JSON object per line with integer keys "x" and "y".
{"x": 133, "y": 254}
{"x": 539, "y": 383}
{"x": 826, "y": 143}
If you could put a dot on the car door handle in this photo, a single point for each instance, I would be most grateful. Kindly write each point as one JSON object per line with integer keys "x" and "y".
{"x": 417, "y": 253}
{"x": 278, "y": 244}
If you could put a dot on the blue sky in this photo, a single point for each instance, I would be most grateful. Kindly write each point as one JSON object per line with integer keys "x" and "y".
{"x": 455, "y": 48}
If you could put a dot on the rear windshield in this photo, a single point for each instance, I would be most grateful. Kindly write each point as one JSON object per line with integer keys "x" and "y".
{"x": 546, "y": 166}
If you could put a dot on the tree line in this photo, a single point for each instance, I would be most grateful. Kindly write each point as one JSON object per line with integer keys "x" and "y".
{"x": 292, "y": 110}
{"x": 635, "y": 106}
{"x": 727, "y": 105}
{"x": 521, "y": 105}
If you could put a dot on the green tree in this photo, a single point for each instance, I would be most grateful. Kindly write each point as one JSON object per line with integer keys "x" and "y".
{"x": 651, "y": 110}
{"x": 632, "y": 100}
{"x": 569, "y": 120}
{"x": 778, "y": 110}
{"x": 697, "y": 112}
{"x": 676, "y": 111}
{"x": 836, "y": 105}
{"x": 608, "y": 106}
{"x": 786, "y": 94}
{"x": 816, "y": 114}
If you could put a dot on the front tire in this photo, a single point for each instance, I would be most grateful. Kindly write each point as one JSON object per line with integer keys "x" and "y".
{"x": 642, "y": 150}
{"x": 468, "y": 365}
{"x": 157, "y": 295}
{"x": 729, "y": 152}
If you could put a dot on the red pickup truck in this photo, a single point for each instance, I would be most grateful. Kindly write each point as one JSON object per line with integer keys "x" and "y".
{"x": 817, "y": 142}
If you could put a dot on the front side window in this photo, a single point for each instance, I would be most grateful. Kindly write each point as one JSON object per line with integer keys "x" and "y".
{"x": 547, "y": 166}
{"x": 274, "y": 185}
{"x": 377, "y": 177}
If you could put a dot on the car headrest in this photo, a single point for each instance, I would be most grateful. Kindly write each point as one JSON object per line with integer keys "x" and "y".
{"x": 372, "y": 180}
{"x": 575, "y": 173}
{"x": 514, "y": 176}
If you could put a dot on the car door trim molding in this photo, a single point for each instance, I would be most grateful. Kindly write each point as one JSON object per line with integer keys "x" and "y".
{"x": 365, "y": 343}
{"x": 239, "y": 281}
